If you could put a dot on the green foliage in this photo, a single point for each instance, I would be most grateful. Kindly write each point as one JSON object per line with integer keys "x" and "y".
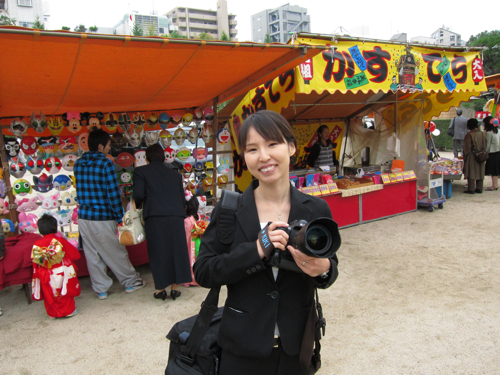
{"x": 175, "y": 34}
{"x": 137, "y": 31}
{"x": 7, "y": 21}
{"x": 151, "y": 30}
{"x": 93, "y": 29}
{"x": 66, "y": 28}
{"x": 205, "y": 36}
{"x": 477, "y": 104}
{"x": 37, "y": 24}
{"x": 491, "y": 56}
{"x": 224, "y": 37}
{"x": 443, "y": 141}
{"x": 268, "y": 39}
{"x": 81, "y": 28}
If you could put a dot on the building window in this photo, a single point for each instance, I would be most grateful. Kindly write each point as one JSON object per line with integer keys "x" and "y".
{"x": 440, "y": 41}
{"x": 441, "y": 33}
{"x": 26, "y": 24}
{"x": 452, "y": 38}
{"x": 24, "y": 3}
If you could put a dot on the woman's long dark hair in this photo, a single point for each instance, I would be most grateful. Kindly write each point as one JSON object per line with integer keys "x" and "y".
{"x": 488, "y": 126}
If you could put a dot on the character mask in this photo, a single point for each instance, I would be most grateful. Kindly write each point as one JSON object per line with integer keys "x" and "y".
{"x": 8, "y": 226}
{"x": 111, "y": 122}
{"x": 34, "y": 165}
{"x": 125, "y": 160}
{"x": 140, "y": 158}
{"x": 208, "y": 183}
{"x": 72, "y": 120}
{"x": 43, "y": 183}
{"x": 17, "y": 168}
{"x": 53, "y": 165}
{"x": 83, "y": 141}
{"x": 207, "y": 133}
{"x": 68, "y": 145}
{"x": 198, "y": 114}
{"x": 18, "y": 126}
{"x": 187, "y": 118}
{"x": 152, "y": 120}
{"x": 63, "y": 217}
{"x": 175, "y": 118}
{"x": 27, "y": 222}
{"x": 124, "y": 178}
{"x": 69, "y": 199}
{"x": 68, "y": 162}
{"x": 179, "y": 136}
{"x": 48, "y": 145}
{"x": 198, "y": 169}
{"x": 151, "y": 138}
{"x": 208, "y": 115}
{"x": 193, "y": 185}
{"x": 11, "y": 146}
{"x": 134, "y": 137}
{"x": 29, "y": 145}
{"x": 223, "y": 136}
{"x": 95, "y": 121}
{"x": 223, "y": 167}
{"x": 55, "y": 125}
{"x": 209, "y": 168}
{"x": 200, "y": 153}
{"x": 39, "y": 123}
{"x": 165, "y": 138}
{"x": 21, "y": 187}
{"x": 124, "y": 122}
{"x": 26, "y": 204}
{"x": 62, "y": 182}
{"x": 222, "y": 181}
{"x": 187, "y": 169}
{"x": 117, "y": 142}
{"x": 164, "y": 120}
{"x": 192, "y": 135}
{"x": 183, "y": 154}
{"x": 50, "y": 202}
{"x": 170, "y": 154}
{"x": 139, "y": 119}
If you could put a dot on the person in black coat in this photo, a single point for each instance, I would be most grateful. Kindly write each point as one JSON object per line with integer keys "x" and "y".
{"x": 322, "y": 152}
{"x": 267, "y": 308}
{"x": 160, "y": 190}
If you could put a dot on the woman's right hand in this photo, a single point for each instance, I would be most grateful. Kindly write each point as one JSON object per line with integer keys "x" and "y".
{"x": 278, "y": 237}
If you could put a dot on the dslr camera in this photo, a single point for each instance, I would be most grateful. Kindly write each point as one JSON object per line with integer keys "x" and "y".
{"x": 319, "y": 238}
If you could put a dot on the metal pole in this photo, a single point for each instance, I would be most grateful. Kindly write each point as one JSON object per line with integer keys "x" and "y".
{"x": 6, "y": 178}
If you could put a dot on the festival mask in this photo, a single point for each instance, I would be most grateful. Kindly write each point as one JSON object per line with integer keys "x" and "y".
{"x": 124, "y": 178}
{"x": 151, "y": 138}
{"x": 110, "y": 122}
{"x": 68, "y": 144}
{"x": 27, "y": 222}
{"x": 29, "y": 145}
{"x": 63, "y": 217}
{"x": 43, "y": 183}
{"x": 3, "y": 191}
{"x": 208, "y": 183}
{"x": 34, "y": 165}
{"x": 200, "y": 153}
{"x": 39, "y": 123}
{"x": 175, "y": 118}
{"x": 134, "y": 137}
{"x": 152, "y": 120}
{"x": 222, "y": 181}
{"x": 202, "y": 203}
{"x": 192, "y": 135}
{"x": 198, "y": 113}
{"x": 125, "y": 160}
{"x": 124, "y": 122}
{"x": 179, "y": 136}
{"x": 187, "y": 118}
{"x": 72, "y": 120}
{"x": 26, "y": 204}
{"x": 62, "y": 182}
{"x": 183, "y": 154}
{"x": 165, "y": 138}
{"x": 21, "y": 187}
{"x": 17, "y": 168}
{"x": 223, "y": 136}
{"x": 187, "y": 169}
{"x": 207, "y": 133}
{"x": 209, "y": 168}
{"x": 139, "y": 119}
{"x": 53, "y": 165}
{"x": 18, "y": 126}
{"x": 55, "y": 125}
{"x": 193, "y": 185}
{"x": 208, "y": 115}
{"x": 69, "y": 199}
{"x": 170, "y": 154}
{"x": 140, "y": 158}
{"x": 198, "y": 169}
{"x": 11, "y": 146}
{"x": 51, "y": 202}
{"x": 8, "y": 226}
{"x": 68, "y": 162}
{"x": 223, "y": 167}
{"x": 118, "y": 140}
{"x": 83, "y": 141}
{"x": 48, "y": 145}
{"x": 164, "y": 120}
{"x": 95, "y": 121}
{"x": 73, "y": 179}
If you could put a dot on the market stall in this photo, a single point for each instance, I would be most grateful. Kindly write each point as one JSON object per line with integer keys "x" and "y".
{"x": 355, "y": 81}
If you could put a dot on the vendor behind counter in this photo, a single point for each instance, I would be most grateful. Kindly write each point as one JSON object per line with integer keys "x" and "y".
{"x": 322, "y": 153}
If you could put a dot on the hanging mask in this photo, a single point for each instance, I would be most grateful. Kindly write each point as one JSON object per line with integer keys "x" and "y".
{"x": 139, "y": 119}
{"x": 207, "y": 133}
{"x": 187, "y": 118}
{"x": 183, "y": 154}
{"x": 18, "y": 126}
{"x": 151, "y": 138}
{"x": 124, "y": 178}
{"x": 222, "y": 181}
{"x": 140, "y": 158}
{"x": 179, "y": 136}
{"x": 43, "y": 183}
{"x": 187, "y": 169}
{"x": 170, "y": 154}
{"x": 83, "y": 141}
{"x": 125, "y": 160}
{"x": 34, "y": 165}
{"x": 223, "y": 167}
{"x": 69, "y": 199}
{"x": 8, "y": 226}
{"x": 152, "y": 120}
{"x": 17, "y": 168}
{"x": 110, "y": 122}
{"x": 118, "y": 140}
{"x": 193, "y": 185}
{"x": 223, "y": 136}
{"x": 62, "y": 182}
{"x": 68, "y": 162}
{"x": 175, "y": 118}
{"x": 55, "y": 125}
{"x": 11, "y": 147}
{"x": 209, "y": 168}
{"x": 53, "y": 165}
{"x": 48, "y": 145}
{"x": 165, "y": 138}
{"x": 39, "y": 123}
{"x": 29, "y": 145}
{"x": 124, "y": 122}
{"x": 198, "y": 114}
{"x": 192, "y": 135}
{"x": 51, "y": 202}
{"x": 68, "y": 144}
{"x": 72, "y": 120}
{"x": 26, "y": 204}
{"x": 200, "y": 153}
{"x": 208, "y": 183}
{"x": 21, "y": 187}
{"x": 208, "y": 115}
{"x": 164, "y": 120}
{"x": 198, "y": 169}
{"x": 134, "y": 137}
{"x": 95, "y": 121}
{"x": 73, "y": 180}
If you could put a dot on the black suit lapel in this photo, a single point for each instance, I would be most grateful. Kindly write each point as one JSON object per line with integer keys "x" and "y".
{"x": 247, "y": 215}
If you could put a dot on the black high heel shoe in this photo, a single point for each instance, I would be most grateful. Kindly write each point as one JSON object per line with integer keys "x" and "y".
{"x": 161, "y": 295}
{"x": 174, "y": 294}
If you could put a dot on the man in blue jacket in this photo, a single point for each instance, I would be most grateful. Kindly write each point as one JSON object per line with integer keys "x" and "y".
{"x": 99, "y": 213}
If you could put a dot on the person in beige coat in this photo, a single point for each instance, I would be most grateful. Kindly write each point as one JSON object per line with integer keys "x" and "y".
{"x": 474, "y": 142}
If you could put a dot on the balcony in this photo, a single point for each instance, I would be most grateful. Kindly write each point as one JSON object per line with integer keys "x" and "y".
{"x": 201, "y": 16}
{"x": 233, "y": 22}
{"x": 199, "y": 25}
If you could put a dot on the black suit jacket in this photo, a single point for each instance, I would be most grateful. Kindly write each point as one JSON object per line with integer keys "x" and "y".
{"x": 160, "y": 189}
{"x": 255, "y": 301}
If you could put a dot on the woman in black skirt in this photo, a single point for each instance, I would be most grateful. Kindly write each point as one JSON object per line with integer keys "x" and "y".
{"x": 493, "y": 148}
{"x": 160, "y": 189}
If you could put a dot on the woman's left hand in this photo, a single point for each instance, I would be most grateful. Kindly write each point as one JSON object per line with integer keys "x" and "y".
{"x": 310, "y": 265}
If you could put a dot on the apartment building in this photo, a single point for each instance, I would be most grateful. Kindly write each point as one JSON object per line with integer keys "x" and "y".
{"x": 159, "y": 25}
{"x": 279, "y": 23}
{"x": 444, "y": 36}
{"x": 191, "y": 22}
{"x": 26, "y": 11}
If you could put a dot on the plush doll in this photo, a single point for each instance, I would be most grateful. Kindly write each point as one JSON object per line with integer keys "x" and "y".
{"x": 55, "y": 125}
{"x": 27, "y": 222}
{"x": 17, "y": 168}
{"x": 8, "y": 226}
{"x": 68, "y": 162}
{"x": 39, "y": 123}
{"x": 21, "y": 187}
{"x": 62, "y": 182}
{"x": 179, "y": 136}
{"x": 48, "y": 145}
{"x": 34, "y": 165}
{"x": 170, "y": 154}
{"x": 208, "y": 115}
{"x": 223, "y": 167}
{"x": 140, "y": 158}
{"x": 83, "y": 141}
{"x": 151, "y": 137}
{"x": 50, "y": 202}
{"x": 124, "y": 122}
{"x": 139, "y": 119}
{"x": 53, "y": 165}
{"x": 72, "y": 120}
{"x": 11, "y": 146}
{"x": 183, "y": 154}
{"x": 164, "y": 120}
{"x": 165, "y": 138}
{"x": 152, "y": 120}
{"x": 18, "y": 126}
{"x": 68, "y": 144}
{"x": 43, "y": 183}
{"x": 207, "y": 133}
{"x": 69, "y": 199}
{"x": 29, "y": 145}
{"x": 223, "y": 136}
{"x": 187, "y": 118}
{"x": 26, "y": 204}
{"x": 111, "y": 122}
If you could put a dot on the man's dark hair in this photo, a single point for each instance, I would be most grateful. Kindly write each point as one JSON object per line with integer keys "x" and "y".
{"x": 472, "y": 124}
{"x": 47, "y": 224}
{"x": 98, "y": 137}
{"x": 155, "y": 152}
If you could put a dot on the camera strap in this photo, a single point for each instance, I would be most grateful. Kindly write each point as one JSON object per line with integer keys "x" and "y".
{"x": 265, "y": 243}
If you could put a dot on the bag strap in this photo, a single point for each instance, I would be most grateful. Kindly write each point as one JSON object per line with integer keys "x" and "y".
{"x": 230, "y": 203}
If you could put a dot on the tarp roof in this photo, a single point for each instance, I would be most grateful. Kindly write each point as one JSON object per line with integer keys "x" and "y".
{"x": 57, "y": 71}
{"x": 493, "y": 80}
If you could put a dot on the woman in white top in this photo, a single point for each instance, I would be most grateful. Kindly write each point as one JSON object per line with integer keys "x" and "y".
{"x": 493, "y": 148}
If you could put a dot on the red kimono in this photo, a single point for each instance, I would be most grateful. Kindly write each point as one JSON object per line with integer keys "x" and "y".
{"x": 54, "y": 275}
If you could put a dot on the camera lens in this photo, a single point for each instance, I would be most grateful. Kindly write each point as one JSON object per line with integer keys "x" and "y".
{"x": 318, "y": 239}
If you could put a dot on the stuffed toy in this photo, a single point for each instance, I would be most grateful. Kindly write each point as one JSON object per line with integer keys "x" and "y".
{"x": 207, "y": 133}
{"x": 208, "y": 115}
{"x": 187, "y": 118}
{"x": 152, "y": 120}
{"x": 26, "y": 204}
{"x": 48, "y": 145}
{"x": 164, "y": 120}
{"x": 55, "y": 125}
{"x": 111, "y": 122}
{"x": 151, "y": 137}
{"x": 139, "y": 119}
{"x": 183, "y": 154}
{"x": 170, "y": 154}
{"x": 62, "y": 182}
{"x": 134, "y": 136}
{"x": 43, "y": 183}
{"x": 51, "y": 202}
{"x": 69, "y": 199}
{"x": 8, "y": 226}
{"x": 68, "y": 144}
{"x": 68, "y": 162}
{"x": 140, "y": 158}
{"x": 124, "y": 160}
{"x": 179, "y": 136}
{"x": 39, "y": 123}
{"x": 124, "y": 122}
{"x": 53, "y": 165}
{"x": 27, "y": 222}
{"x": 72, "y": 120}
{"x": 18, "y": 126}
{"x": 11, "y": 146}
{"x": 34, "y": 165}
{"x": 21, "y": 187}
{"x": 223, "y": 167}
{"x": 17, "y": 168}
{"x": 223, "y": 136}
{"x": 29, "y": 145}
{"x": 165, "y": 138}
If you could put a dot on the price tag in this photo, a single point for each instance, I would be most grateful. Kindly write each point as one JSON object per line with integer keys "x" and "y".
{"x": 333, "y": 187}
{"x": 412, "y": 175}
{"x": 316, "y": 190}
{"x": 399, "y": 177}
{"x": 392, "y": 176}
{"x": 385, "y": 179}
{"x": 324, "y": 189}
{"x": 307, "y": 190}
{"x": 406, "y": 176}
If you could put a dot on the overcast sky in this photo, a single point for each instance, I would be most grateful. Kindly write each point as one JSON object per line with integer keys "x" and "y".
{"x": 383, "y": 19}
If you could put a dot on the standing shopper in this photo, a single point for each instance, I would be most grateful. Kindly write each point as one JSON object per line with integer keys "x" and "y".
{"x": 474, "y": 142}
{"x": 267, "y": 308}
{"x": 159, "y": 189}
{"x": 492, "y": 146}
{"x": 459, "y": 125}
{"x": 99, "y": 213}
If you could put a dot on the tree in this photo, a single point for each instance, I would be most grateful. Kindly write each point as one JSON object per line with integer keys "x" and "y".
{"x": 81, "y": 28}
{"x": 151, "y": 30}
{"x": 205, "y": 36}
{"x": 66, "y": 28}
{"x": 136, "y": 30}
{"x": 268, "y": 39}
{"x": 37, "y": 24}
{"x": 491, "y": 56}
{"x": 6, "y": 20}
{"x": 175, "y": 34}
{"x": 93, "y": 29}
{"x": 224, "y": 36}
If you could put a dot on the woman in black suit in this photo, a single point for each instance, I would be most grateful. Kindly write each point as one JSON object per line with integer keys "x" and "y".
{"x": 266, "y": 308}
{"x": 160, "y": 189}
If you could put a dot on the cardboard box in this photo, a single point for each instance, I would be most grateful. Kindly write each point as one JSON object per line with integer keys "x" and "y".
{"x": 362, "y": 182}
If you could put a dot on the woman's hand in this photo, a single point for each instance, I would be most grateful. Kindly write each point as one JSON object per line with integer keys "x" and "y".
{"x": 278, "y": 237}
{"x": 310, "y": 265}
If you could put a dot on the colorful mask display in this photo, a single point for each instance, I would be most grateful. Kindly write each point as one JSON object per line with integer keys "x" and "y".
{"x": 170, "y": 154}
{"x": 39, "y": 123}
{"x": 192, "y": 135}
{"x": 94, "y": 121}
{"x": 8, "y": 226}
{"x": 69, "y": 199}
{"x": 165, "y": 138}
{"x": 208, "y": 183}
{"x": 68, "y": 144}
{"x": 187, "y": 118}
{"x": 43, "y": 183}
{"x": 21, "y": 187}
{"x": 26, "y": 204}
{"x": 17, "y": 168}
{"x": 139, "y": 119}
{"x": 140, "y": 158}
{"x": 175, "y": 118}
{"x": 118, "y": 140}
{"x": 179, "y": 136}
{"x": 187, "y": 169}
{"x": 72, "y": 119}
{"x": 27, "y": 222}
{"x": 183, "y": 154}
{"x": 18, "y": 126}
{"x": 62, "y": 183}
{"x": 200, "y": 153}
{"x": 124, "y": 178}
{"x": 34, "y": 165}
{"x": 164, "y": 120}
{"x": 63, "y": 217}
{"x": 222, "y": 181}
{"x": 51, "y": 202}
{"x": 53, "y": 165}
{"x": 223, "y": 167}
{"x": 83, "y": 141}
{"x": 198, "y": 169}
{"x": 152, "y": 120}
{"x": 11, "y": 147}
{"x": 209, "y": 168}
{"x": 198, "y": 114}
{"x": 124, "y": 160}
{"x": 29, "y": 146}
{"x": 134, "y": 136}
{"x": 193, "y": 185}
{"x": 207, "y": 133}
{"x": 223, "y": 136}
{"x": 124, "y": 122}
{"x": 55, "y": 125}
{"x": 208, "y": 115}
{"x": 48, "y": 145}
{"x": 68, "y": 162}
{"x": 151, "y": 137}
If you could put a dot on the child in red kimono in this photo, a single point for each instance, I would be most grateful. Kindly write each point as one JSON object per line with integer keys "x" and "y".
{"x": 189, "y": 222}
{"x": 54, "y": 275}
